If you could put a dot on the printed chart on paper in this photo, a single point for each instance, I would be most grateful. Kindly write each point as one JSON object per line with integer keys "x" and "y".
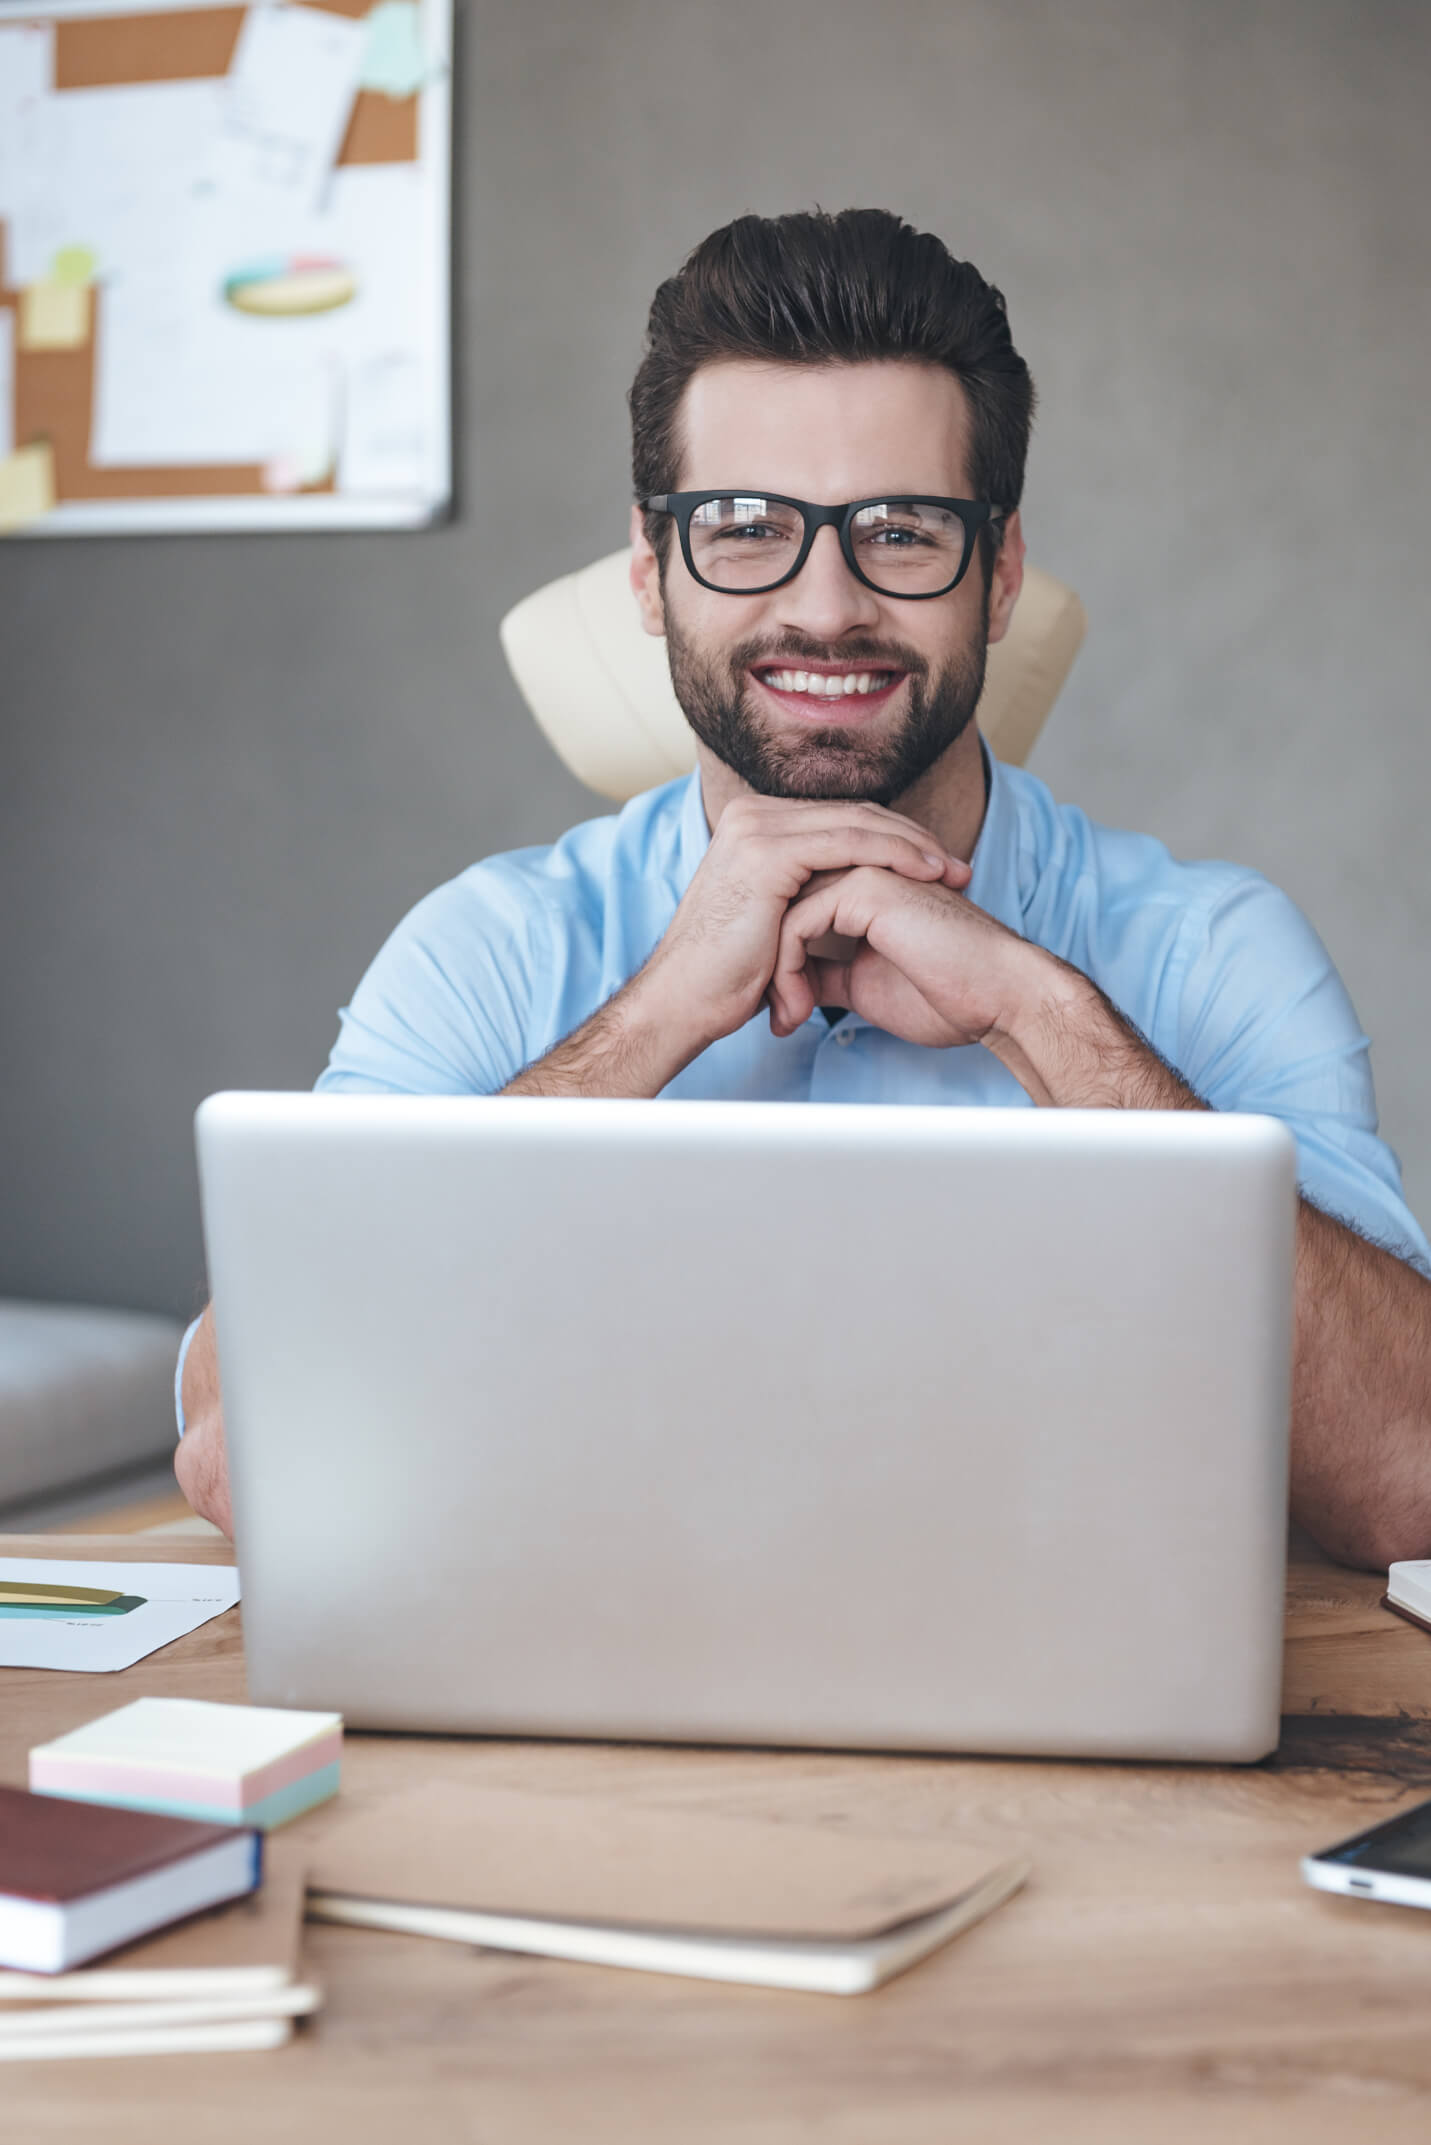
{"x": 224, "y": 265}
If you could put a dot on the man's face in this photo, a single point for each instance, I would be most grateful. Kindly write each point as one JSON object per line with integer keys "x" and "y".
{"x": 827, "y": 433}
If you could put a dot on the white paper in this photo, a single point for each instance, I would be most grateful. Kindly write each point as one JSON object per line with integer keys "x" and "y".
{"x": 7, "y": 383}
{"x": 114, "y": 170}
{"x": 184, "y": 377}
{"x": 26, "y": 72}
{"x": 289, "y": 97}
{"x": 385, "y": 443}
{"x": 176, "y": 1599}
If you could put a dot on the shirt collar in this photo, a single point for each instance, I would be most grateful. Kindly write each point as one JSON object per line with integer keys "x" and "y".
{"x": 694, "y": 836}
{"x": 994, "y": 887}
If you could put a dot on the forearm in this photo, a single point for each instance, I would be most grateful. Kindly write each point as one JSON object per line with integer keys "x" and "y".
{"x": 632, "y": 1046}
{"x": 201, "y": 1461}
{"x": 1070, "y": 1048}
{"x": 1361, "y": 1413}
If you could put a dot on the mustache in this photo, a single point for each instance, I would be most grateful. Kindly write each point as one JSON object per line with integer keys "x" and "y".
{"x": 852, "y": 654}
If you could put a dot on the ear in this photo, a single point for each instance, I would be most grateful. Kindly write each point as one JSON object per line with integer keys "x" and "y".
{"x": 1007, "y": 578}
{"x": 646, "y": 576}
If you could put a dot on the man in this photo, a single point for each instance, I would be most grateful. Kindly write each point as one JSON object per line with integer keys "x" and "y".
{"x": 850, "y": 900}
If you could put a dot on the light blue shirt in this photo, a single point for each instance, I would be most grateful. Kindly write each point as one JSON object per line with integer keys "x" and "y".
{"x": 1221, "y": 972}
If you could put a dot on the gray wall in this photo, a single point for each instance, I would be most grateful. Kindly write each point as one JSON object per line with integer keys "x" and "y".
{"x": 230, "y": 765}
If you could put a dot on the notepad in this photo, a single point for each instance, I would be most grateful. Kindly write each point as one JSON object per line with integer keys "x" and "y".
{"x": 226, "y": 1765}
{"x": 587, "y": 1878}
{"x": 1408, "y": 1591}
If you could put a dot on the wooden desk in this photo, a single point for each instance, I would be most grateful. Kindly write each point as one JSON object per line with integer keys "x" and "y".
{"x": 1166, "y": 1977}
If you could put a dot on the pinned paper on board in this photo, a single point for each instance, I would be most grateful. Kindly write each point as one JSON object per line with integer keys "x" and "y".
{"x": 27, "y": 485}
{"x": 26, "y": 76}
{"x": 394, "y": 63}
{"x": 290, "y": 96}
{"x": 54, "y": 316}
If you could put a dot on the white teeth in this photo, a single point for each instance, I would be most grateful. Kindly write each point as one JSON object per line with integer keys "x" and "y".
{"x": 824, "y": 686}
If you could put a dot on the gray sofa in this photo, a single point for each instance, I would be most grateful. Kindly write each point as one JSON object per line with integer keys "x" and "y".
{"x": 82, "y": 1393}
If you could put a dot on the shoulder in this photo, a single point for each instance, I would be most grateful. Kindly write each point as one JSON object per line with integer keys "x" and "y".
{"x": 482, "y": 974}
{"x": 539, "y": 890}
{"x": 1111, "y": 895}
{"x": 1212, "y": 961}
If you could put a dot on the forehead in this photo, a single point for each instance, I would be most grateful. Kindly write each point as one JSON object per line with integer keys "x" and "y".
{"x": 825, "y": 432}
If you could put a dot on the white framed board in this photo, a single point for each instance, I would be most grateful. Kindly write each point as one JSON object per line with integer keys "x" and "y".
{"x": 225, "y": 273}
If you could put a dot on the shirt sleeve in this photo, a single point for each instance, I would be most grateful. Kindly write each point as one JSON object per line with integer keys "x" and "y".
{"x": 184, "y": 1346}
{"x": 1267, "y": 1025}
{"x": 452, "y": 1004}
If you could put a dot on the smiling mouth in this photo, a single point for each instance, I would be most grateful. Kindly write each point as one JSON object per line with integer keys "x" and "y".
{"x": 824, "y": 688}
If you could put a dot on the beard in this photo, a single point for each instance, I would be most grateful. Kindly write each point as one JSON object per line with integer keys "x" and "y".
{"x": 830, "y": 763}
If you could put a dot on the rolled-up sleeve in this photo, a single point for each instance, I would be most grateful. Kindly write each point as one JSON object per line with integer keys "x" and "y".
{"x": 446, "y": 1008}
{"x": 1268, "y": 1026}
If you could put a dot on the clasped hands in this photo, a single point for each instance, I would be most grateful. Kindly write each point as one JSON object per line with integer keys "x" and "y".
{"x": 799, "y": 903}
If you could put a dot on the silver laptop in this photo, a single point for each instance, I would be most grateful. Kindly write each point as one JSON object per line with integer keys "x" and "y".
{"x": 897, "y": 1428}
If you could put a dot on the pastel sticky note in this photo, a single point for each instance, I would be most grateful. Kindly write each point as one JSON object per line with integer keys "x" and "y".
{"x": 73, "y": 264}
{"x": 27, "y": 485}
{"x": 191, "y": 1757}
{"x": 393, "y": 61}
{"x": 54, "y": 316}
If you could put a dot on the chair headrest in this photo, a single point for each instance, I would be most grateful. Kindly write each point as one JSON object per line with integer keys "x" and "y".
{"x": 600, "y": 686}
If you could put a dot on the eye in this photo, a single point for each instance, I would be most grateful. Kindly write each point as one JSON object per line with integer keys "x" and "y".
{"x": 893, "y": 536}
{"x": 745, "y": 530}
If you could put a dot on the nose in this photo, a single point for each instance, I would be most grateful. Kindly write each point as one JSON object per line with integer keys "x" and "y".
{"x": 825, "y": 601}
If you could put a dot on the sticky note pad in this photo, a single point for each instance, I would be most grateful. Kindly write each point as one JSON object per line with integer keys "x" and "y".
{"x": 189, "y": 1757}
{"x": 54, "y": 316}
{"x": 27, "y": 485}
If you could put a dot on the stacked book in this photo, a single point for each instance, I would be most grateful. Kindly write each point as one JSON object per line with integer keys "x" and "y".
{"x": 83, "y": 1882}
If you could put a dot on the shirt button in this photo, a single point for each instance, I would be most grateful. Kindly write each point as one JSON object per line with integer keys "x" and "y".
{"x": 844, "y": 1035}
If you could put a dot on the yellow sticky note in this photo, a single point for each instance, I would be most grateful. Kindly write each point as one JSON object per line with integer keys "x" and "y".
{"x": 73, "y": 264}
{"x": 27, "y": 485}
{"x": 54, "y": 316}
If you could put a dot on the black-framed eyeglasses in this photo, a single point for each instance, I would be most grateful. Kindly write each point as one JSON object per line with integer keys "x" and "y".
{"x": 746, "y": 543}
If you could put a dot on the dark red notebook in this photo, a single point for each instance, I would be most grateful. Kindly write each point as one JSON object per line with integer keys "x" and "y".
{"x": 57, "y": 1850}
{"x": 78, "y": 1878}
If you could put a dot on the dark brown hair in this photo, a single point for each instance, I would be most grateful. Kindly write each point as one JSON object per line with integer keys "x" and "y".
{"x": 815, "y": 289}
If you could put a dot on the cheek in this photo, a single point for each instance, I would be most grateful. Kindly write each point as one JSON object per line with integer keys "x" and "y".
{"x": 711, "y": 628}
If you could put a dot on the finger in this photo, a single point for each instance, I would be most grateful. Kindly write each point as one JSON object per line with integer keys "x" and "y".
{"x": 773, "y": 818}
{"x": 854, "y": 812}
{"x": 830, "y": 982}
{"x": 810, "y": 918}
{"x": 814, "y": 850}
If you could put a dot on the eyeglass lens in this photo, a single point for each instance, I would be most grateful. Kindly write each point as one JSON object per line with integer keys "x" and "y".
{"x": 902, "y": 547}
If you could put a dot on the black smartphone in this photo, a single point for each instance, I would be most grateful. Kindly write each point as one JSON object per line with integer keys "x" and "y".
{"x": 1391, "y": 1861}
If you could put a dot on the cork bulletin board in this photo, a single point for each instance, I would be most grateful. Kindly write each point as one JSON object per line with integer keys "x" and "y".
{"x": 224, "y": 265}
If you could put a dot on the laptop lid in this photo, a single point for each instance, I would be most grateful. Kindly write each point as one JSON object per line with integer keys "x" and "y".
{"x": 890, "y": 1427}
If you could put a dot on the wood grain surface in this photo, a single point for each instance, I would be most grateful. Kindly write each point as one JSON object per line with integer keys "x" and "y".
{"x": 1165, "y": 1977}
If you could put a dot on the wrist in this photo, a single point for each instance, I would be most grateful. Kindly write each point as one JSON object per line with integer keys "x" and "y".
{"x": 661, "y": 1028}
{"x": 1069, "y": 1047}
{"x": 1047, "y": 1033}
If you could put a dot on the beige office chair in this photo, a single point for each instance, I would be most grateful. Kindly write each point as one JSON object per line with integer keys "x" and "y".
{"x": 600, "y": 686}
